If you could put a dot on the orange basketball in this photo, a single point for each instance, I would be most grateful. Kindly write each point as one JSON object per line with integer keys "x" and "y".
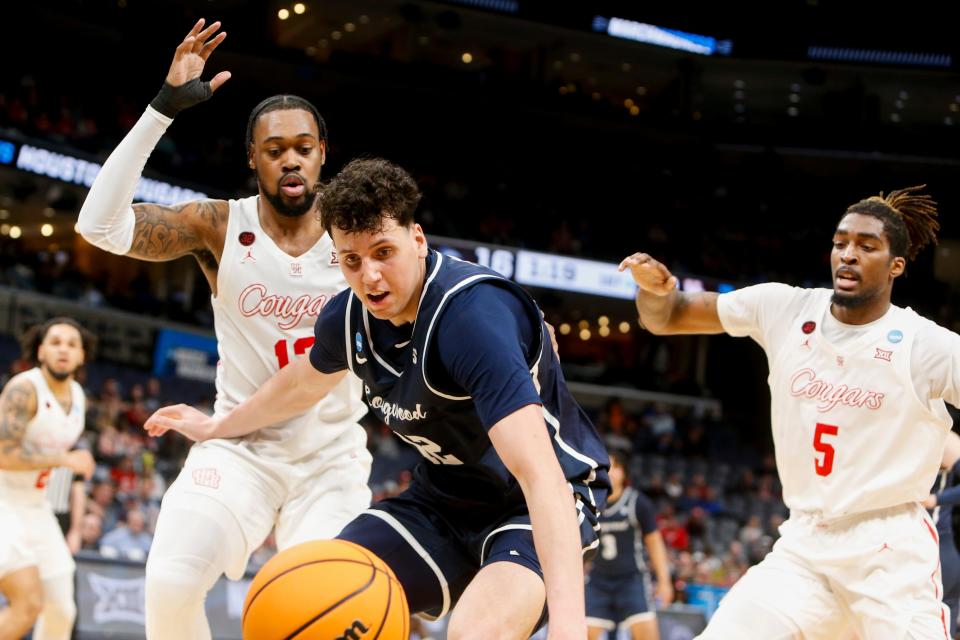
{"x": 325, "y": 590}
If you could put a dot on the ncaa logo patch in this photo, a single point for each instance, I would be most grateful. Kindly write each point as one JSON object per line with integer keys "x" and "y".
{"x": 895, "y": 336}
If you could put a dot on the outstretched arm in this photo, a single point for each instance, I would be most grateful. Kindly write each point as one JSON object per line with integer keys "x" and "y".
{"x": 288, "y": 393}
{"x": 18, "y": 405}
{"x": 662, "y": 307}
{"x": 522, "y": 442}
{"x": 653, "y": 541}
{"x": 150, "y": 231}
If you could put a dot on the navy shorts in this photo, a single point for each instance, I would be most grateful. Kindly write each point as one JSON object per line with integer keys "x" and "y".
{"x": 435, "y": 549}
{"x": 615, "y": 601}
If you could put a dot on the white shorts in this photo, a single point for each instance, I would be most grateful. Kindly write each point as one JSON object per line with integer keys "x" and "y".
{"x": 30, "y": 536}
{"x": 304, "y": 501}
{"x": 877, "y": 573}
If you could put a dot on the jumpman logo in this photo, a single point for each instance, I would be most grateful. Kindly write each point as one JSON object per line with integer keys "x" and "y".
{"x": 885, "y": 547}
{"x": 247, "y": 257}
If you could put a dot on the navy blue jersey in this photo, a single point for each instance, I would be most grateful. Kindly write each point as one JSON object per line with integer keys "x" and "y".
{"x": 947, "y": 496}
{"x": 622, "y": 527}
{"x": 472, "y": 356}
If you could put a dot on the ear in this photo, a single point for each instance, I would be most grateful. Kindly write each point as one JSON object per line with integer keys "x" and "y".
{"x": 323, "y": 152}
{"x": 421, "y": 239}
{"x": 250, "y": 162}
{"x": 897, "y": 266}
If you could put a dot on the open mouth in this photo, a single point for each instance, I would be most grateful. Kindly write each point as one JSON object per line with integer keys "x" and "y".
{"x": 293, "y": 185}
{"x": 377, "y": 299}
{"x": 846, "y": 279}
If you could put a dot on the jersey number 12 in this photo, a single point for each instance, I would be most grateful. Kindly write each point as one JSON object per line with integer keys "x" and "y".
{"x": 299, "y": 348}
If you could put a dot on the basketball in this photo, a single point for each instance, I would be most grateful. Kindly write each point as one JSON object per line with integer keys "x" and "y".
{"x": 322, "y": 590}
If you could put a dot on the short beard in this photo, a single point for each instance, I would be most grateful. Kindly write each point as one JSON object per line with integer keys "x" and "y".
{"x": 854, "y": 302}
{"x": 284, "y": 209}
{"x": 59, "y": 376}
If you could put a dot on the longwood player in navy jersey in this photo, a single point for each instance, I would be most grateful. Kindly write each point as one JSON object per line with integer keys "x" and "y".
{"x": 618, "y": 590}
{"x": 457, "y": 361}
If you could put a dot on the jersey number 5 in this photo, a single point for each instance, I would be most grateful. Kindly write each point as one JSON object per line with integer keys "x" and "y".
{"x": 825, "y": 466}
{"x": 299, "y": 348}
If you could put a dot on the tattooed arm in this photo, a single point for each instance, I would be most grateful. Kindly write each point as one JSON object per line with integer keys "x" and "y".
{"x": 164, "y": 233}
{"x": 663, "y": 308}
{"x": 18, "y": 405}
{"x": 155, "y": 232}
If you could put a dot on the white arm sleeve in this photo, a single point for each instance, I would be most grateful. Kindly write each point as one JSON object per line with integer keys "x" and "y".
{"x": 106, "y": 218}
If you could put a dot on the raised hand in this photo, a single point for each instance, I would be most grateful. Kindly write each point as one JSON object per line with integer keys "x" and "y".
{"x": 191, "y": 56}
{"x": 183, "y": 418}
{"x": 183, "y": 87}
{"x": 650, "y": 275}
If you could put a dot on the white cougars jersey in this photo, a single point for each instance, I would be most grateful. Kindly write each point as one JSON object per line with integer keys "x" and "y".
{"x": 264, "y": 311}
{"x": 858, "y": 420}
{"x": 49, "y": 432}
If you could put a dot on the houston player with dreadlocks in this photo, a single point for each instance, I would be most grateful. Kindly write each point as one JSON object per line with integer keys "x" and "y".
{"x": 857, "y": 389}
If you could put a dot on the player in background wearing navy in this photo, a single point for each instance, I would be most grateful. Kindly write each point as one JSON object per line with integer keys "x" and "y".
{"x": 456, "y": 360}
{"x": 618, "y": 584}
{"x": 940, "y": 504}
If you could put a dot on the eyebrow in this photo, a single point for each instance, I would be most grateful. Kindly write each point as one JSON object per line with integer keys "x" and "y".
{"x": 299, "y": 135}
{"x": 376, "y": 244}
{"x": 874, "y": 236}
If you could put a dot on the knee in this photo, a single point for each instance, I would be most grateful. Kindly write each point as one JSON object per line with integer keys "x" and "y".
{"x": 172, "y": 586}
{"x": 28, "y": 607}
{"x": 60, "y": 611}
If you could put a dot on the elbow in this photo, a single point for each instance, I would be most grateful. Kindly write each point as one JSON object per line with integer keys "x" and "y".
{"x": 86, "y": 227}
{"x": 655, "y": 329}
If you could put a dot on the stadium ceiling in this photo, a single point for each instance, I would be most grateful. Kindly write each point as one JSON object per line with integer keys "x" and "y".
{"x": 824, "y": 66}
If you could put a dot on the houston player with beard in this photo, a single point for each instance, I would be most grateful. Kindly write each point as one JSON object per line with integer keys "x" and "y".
{"x": 857, "y": 389}
{"x": 271, "y": 269}
{"x": 41, "y": 417}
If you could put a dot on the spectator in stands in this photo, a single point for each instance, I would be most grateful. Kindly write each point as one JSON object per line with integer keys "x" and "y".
{"x": 615, "y": 425}
{"x": 130, "y": 539}
{"x": 124, "y": 477}
{"x": 105, "y": 504}
{"x": 91, "y": 528}
{"x": 152, "y": 397}
{"x": 674, "y": 533}
{"x": 136, "y": 411}
{"x": 674, "y": 485}
{"x": 752, "y": 531}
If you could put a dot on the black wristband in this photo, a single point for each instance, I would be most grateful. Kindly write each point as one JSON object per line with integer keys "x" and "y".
{"x": 172, "y": 100}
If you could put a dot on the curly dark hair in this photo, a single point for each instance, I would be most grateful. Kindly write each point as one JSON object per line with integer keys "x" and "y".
{"x": 367, "y": 193}
{"x": 909, "y": 219}
{"x": 32, "y": 338}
